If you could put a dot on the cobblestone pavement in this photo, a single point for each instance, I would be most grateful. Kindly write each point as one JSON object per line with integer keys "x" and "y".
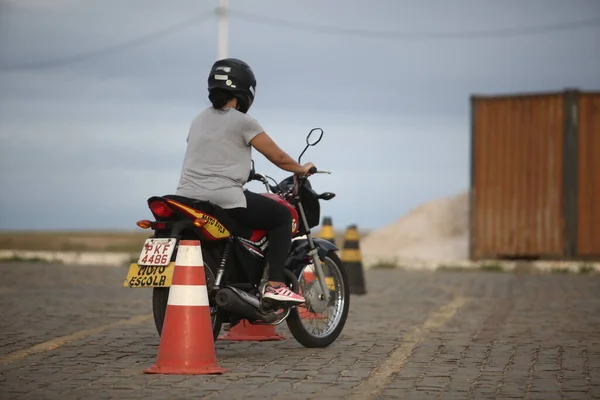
{"x": 74, "y": 332}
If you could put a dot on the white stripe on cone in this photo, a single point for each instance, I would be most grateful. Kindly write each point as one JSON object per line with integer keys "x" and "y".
{"x": 188, "y": 295}
{"x": 189, "y": 256}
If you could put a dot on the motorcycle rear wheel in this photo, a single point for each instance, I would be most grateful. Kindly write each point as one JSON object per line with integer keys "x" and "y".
{"x": 295, "y": 322}
{"x": 160, "y": 297}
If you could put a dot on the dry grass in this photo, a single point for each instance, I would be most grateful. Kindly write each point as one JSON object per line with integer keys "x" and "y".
{"x": 74, "y": 241}
{"x": 90, "y": 240}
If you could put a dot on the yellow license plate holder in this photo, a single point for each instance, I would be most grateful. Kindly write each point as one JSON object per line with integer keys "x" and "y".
{"x": 140, "y": 276}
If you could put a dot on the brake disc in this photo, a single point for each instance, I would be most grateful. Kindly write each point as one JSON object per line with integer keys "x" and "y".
{"x": 315, "y": 302}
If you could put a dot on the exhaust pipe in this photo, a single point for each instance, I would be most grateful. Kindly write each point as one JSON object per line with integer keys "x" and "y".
{"x": 240, "y": 303}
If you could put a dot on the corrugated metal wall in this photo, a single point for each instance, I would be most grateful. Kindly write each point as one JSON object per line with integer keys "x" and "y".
{"x": 517, "y": 164}
{"x": 588, "y": 215}
{"x": 535, "y": 176}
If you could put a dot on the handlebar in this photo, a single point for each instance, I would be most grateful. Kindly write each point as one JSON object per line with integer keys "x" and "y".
{"x": 262, "y": 178}
{"x": 257, "y": 176}
{"x": 313, "y": 170}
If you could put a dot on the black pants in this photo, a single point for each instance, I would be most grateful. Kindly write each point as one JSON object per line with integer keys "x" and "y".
{"x": 266, "y": 214}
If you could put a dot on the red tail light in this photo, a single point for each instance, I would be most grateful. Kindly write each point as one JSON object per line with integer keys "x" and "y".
{"x": 161, "y": 209}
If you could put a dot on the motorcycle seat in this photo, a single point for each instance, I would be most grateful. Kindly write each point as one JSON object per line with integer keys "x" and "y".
{"x": 217, "y": 212}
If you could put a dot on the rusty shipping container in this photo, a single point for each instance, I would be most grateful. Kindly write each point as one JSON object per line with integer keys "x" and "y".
{"x": 535, "y": 176}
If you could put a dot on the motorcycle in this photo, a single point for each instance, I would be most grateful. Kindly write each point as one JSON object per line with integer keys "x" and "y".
{"x": 235, "y": 263}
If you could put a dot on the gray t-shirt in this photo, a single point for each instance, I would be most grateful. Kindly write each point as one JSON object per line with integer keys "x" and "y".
{"x": 217, "y": 159}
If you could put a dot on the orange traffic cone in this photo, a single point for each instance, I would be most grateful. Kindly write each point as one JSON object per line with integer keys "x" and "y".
{"x": 186, "y": 342}
{"x": 244, "y": 331}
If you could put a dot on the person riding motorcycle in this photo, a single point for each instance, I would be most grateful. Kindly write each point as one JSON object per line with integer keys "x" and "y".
{"x": 217, "y": 163}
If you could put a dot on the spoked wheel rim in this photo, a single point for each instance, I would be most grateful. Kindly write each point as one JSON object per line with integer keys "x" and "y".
{"x": 322, "y": 322}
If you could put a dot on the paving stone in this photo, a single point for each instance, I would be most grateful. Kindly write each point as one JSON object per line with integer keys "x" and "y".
{"x": 536, "y": 336}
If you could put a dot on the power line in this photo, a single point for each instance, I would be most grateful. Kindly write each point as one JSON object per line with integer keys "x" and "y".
{"x": 404, "y": 35}
{"x": 303, "y": 26}
{"x": 58, "y": 62}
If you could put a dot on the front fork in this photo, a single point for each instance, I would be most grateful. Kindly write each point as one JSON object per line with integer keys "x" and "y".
{"x": 314, "y": 253}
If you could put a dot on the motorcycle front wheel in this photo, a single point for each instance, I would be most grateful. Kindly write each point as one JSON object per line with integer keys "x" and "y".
{"x": 304, "y": 323}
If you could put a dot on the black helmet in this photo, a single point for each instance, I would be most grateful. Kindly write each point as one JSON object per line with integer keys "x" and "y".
{"x": 236, "y": 76}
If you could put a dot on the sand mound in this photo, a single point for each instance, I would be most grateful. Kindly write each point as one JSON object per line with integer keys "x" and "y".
{"x": 434, "y": 231}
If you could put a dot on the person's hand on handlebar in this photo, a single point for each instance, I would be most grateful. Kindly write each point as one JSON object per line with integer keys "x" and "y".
{"x": 307, "y": 169}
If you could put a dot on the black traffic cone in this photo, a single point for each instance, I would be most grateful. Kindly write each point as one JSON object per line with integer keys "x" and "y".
{"x": 352, "y": 261}
{"x": 327, "y": 232}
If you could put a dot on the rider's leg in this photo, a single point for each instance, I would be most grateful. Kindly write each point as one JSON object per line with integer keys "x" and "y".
{"x": 267, "y": 214}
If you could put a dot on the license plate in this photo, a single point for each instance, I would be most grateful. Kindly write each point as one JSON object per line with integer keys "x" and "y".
{"x": 143, "y": 276}
{"x": 157, "y": 252}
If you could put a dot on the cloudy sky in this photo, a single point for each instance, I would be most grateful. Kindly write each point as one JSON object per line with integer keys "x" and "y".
{"x": 92, "y": 122}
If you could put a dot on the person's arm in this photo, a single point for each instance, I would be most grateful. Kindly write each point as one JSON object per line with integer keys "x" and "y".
{"x": 267, "y": 147}
{"x": 255, "y": 136}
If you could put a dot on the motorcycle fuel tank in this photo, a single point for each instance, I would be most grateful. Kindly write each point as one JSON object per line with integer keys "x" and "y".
{"x": 291, "y": 208}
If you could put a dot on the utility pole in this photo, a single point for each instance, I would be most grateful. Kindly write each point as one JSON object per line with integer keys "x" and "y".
{"x": 223, "y": 38}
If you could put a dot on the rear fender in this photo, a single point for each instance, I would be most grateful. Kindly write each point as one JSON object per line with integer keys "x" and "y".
{"x": 175, "y": 229}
